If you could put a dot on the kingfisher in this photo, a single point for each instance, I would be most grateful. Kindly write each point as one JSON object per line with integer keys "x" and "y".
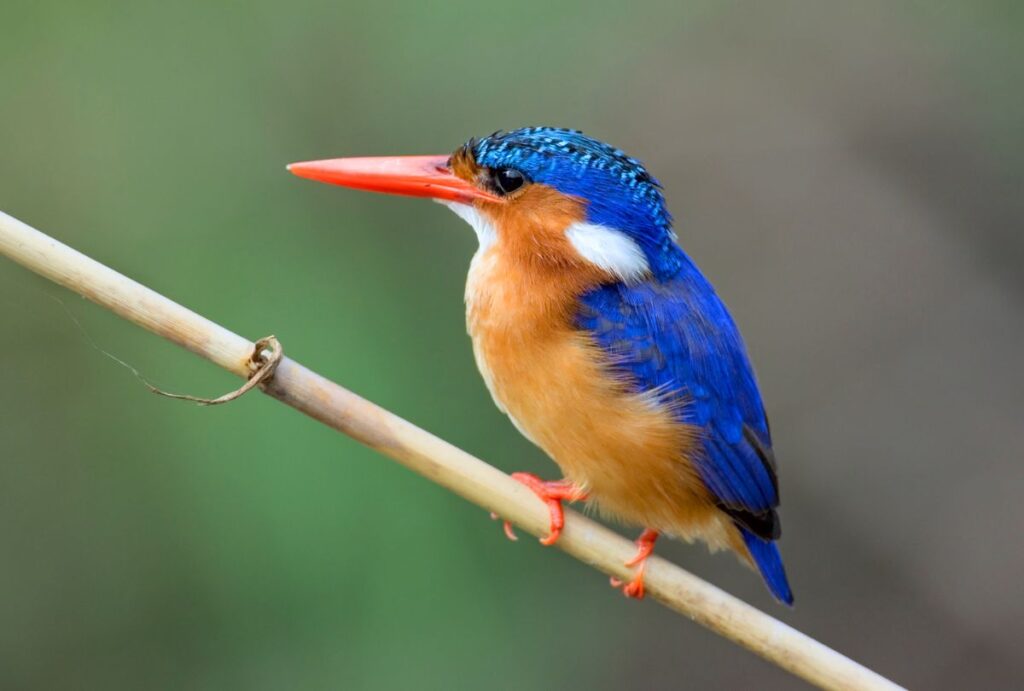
{"x": 601, "y": 340}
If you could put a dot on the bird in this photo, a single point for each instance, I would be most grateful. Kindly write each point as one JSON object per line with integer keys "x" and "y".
{"x": 601, "y": 340}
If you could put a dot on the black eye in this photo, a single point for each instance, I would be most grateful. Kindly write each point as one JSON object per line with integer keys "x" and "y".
{"x": 507, "y": 180}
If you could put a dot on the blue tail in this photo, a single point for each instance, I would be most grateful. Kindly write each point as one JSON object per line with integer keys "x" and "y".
{"x": 769, "y": 563}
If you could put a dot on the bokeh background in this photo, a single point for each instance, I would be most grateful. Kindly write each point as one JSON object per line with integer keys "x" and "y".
{"x": 850, "y": 176}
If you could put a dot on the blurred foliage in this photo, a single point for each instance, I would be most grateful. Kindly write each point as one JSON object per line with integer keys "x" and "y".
{"x": 153, "y": 544}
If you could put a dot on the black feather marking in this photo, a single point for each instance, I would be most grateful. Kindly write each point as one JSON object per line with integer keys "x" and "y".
{"x": 764, "y": 452}
{"x": 765, "y": 525}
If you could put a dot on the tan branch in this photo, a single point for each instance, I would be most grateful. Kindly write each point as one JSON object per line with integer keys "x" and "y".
{"x": 435, "y": 459}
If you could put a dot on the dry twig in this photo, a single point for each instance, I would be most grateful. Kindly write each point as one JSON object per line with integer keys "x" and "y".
{"x": 433, "y": 458}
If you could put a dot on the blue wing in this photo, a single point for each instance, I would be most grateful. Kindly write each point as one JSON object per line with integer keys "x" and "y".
{"x": 675, "y": 336}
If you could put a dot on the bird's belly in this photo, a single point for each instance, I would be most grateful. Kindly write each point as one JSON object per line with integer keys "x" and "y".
{"x": 628, "y": 450}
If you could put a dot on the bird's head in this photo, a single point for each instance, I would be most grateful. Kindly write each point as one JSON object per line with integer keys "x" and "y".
{"x": 546, "y": 195}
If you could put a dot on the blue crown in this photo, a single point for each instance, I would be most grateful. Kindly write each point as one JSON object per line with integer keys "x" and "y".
{"x": 619, "y": 191}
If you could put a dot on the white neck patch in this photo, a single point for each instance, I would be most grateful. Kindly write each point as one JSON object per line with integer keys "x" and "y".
{"x": 609, "y": 249}
{"x": 486, "y": 235}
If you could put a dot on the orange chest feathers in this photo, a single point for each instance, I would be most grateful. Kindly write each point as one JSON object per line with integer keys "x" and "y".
{"x": 627, "y": 449}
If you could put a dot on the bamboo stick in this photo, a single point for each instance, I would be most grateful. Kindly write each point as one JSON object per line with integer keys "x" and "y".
{"x": 435, "y": 459}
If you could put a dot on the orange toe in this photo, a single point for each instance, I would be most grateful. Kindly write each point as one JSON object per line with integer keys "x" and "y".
{"x": 644, "y": 546}
{"x": 552, "y": 494}
{"x": 635, "y": 588}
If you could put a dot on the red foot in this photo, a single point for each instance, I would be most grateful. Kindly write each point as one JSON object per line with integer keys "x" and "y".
{"x": 552, "y": 494}
{"x": 644, "y": 547}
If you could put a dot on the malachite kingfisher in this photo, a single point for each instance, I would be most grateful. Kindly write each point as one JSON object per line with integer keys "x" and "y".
{"x": 601, "y": 339}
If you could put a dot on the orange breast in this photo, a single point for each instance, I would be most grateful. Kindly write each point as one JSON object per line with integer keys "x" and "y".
{"x": 626, "y": 449}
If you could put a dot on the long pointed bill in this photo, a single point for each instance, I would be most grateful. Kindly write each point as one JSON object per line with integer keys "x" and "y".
{"x": 415, "y": 176}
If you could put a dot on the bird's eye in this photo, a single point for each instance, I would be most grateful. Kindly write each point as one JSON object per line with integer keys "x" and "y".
{"x": 507, "y": 180}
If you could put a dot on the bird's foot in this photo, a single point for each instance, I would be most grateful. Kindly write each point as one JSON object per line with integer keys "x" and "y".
{"x": 552, "y": 494}
{"x": 644, "y": 547}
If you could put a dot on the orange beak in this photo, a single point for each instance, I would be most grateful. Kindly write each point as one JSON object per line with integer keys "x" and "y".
{"x": 414, "y": 176}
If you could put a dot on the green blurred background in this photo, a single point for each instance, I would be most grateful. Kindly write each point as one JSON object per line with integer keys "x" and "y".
{"x": 849, "y": 175}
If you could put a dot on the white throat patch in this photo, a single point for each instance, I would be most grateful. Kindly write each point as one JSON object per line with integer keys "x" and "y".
{"x": 609, "y": 249}
{"x": 485, "y": 232}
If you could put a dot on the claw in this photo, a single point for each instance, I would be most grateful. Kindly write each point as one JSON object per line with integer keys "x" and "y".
{"x": 507, "y": 527}
{"x": 552, "y": 494}
{"x": 644, "y": 546}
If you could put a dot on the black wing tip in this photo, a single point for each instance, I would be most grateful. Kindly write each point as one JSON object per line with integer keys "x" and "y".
{"x": 765, "y": 524}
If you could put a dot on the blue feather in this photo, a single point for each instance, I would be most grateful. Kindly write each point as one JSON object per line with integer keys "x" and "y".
{"x": 676, "y": 337}
{"x": 769, "y": 562}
